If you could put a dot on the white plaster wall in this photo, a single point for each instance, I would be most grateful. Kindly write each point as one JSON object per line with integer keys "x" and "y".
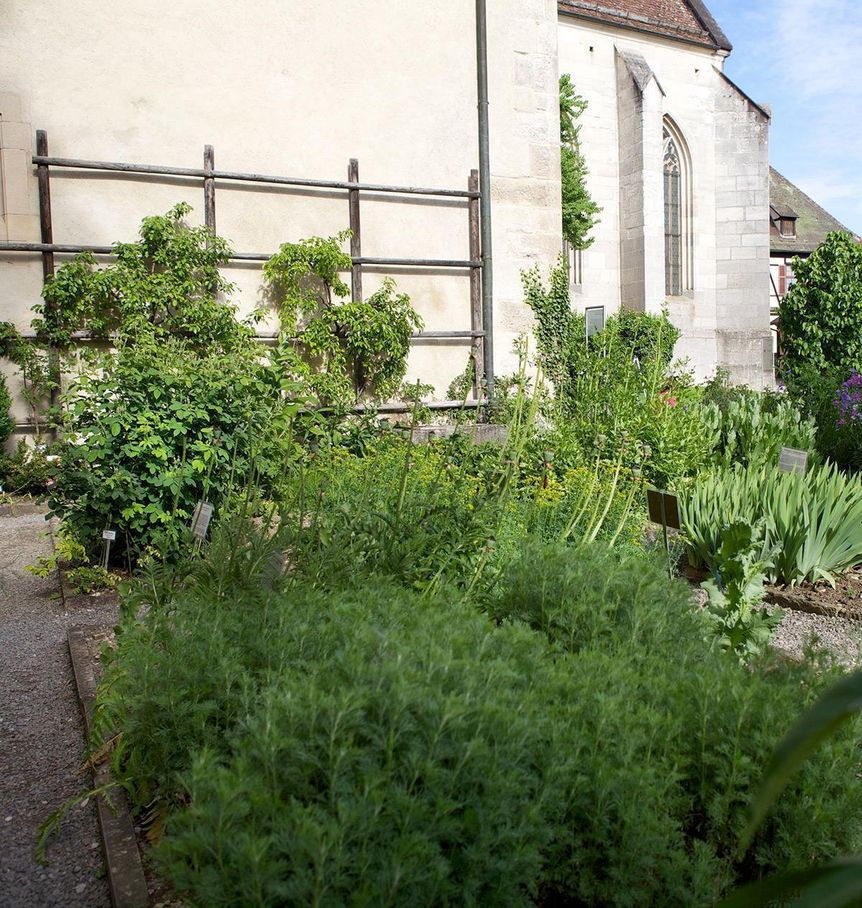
{"x": 294, "y": 89}
{"x": 687, "y": 76}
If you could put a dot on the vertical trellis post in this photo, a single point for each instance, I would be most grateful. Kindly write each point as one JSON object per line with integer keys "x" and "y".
{"x": 356, "y": 232}
{"x": 46, "y": 226}
{"x": 475, "y": 282}
{"x": 209, "y": 188}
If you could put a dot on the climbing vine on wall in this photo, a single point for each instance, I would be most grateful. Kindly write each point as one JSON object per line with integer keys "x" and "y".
{"x": 580, "y": 212}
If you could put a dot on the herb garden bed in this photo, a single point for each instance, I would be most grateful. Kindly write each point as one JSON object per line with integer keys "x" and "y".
{"x": 844, "y": 600}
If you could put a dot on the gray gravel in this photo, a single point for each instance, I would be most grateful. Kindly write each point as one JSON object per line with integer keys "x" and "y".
{"x": 41, "y": 733}
{"x": 838, "y": 635}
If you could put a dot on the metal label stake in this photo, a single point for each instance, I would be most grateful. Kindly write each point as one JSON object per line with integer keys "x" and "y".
{"x": 664, "y": 510}
{"x": 108, "y": 536}
{"x": 792, "y": 460}
{"x": 201, "y": 520}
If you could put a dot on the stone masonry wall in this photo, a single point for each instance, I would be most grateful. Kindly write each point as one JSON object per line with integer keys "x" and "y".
{"x": 742, "y": 237}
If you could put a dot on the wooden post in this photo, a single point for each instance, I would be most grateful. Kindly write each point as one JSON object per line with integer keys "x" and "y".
{"x": 46, "y": 226}
{"x": 356, "y": 232}
{"x": 475, "y": 283}
{"x": 209, "y": 188}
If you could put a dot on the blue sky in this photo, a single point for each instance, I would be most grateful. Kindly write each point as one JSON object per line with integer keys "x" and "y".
{"x": 803, "y": 57}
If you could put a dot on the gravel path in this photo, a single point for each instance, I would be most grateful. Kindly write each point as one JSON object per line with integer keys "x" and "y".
{"x": 41, "y": 733}
{"x": 839, "y": 635}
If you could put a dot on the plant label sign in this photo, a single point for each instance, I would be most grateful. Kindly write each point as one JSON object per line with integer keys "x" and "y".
{"x": 201, "y": 518}
{"x": 793, "y": 460}
{"x": 595, "y": 320}
{"x": 109, "y": 535}
{"x": 663, "y": 508}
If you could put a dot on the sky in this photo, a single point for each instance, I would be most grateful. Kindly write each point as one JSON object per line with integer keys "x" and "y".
{"x": 804, "y": 57}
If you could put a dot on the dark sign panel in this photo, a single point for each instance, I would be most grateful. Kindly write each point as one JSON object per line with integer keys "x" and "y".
{"x": 663, "y": 508}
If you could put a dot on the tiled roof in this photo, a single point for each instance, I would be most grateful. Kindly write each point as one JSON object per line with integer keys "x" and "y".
{"x": 813, "y": 223}
{"x": 687, "y": 20}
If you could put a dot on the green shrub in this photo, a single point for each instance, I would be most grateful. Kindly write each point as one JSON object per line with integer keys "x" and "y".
{"x": 752, "y": 428}
{"x": 27, "y": 471}
{"x": 821, "y": 316}
{"x": 814, "y": 522}
{"x": 165, "y": 285}
{"x": 158, "y": 429}
{"x": 828, "y": 399}
{"x": 370, "y": 746}
{"x": 616, "y": 392}
{"x": 344, "y": 351}
{"x": 7, "y": 423}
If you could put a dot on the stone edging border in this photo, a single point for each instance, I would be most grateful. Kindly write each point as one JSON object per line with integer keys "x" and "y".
{"x": 126, "y": 880}
{"x": 800, "y": 603}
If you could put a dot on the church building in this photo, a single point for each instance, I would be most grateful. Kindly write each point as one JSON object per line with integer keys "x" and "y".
{"x": 678, "y": 160}
{"x": 195, "y": 101}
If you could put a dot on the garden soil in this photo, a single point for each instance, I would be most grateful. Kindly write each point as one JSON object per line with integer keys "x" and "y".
{"x": 41, "y": 730}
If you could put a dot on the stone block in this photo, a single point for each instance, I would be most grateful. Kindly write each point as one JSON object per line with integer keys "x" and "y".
{"x": 10, "y": 107}
{"x": 16, "y": 174}
{"x": 23, "y": 228}
{"x": 16, "y": 135}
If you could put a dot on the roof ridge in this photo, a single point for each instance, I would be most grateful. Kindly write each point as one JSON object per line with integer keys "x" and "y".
{"x": 811, "y": 202}
{"x": 707, "y": 20}
{"x": 684, "y": 20}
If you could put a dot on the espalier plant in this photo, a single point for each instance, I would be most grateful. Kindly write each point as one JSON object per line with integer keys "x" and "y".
{"x": 167, "y": 284}
{"x": 182, "y": 407}
{"x": 345, "y": 351}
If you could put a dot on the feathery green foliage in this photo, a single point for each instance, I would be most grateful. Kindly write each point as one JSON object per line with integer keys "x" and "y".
{"x": 367, "y": 745}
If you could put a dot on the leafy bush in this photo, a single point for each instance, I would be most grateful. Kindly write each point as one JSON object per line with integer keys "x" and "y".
{"x": 165, "y": 285}
{"x": 159, "y": 429}
{"x": 752, "y": 428}
{"x": 814, "y": 522}
{"x": 345, "y": 351}
{"x": 821, "y": 316}
{"x": 7, "y": 423}
{"x": 367, "y": 745}
{"x": 615, "y": 391}
{"x": 27, "y": 471}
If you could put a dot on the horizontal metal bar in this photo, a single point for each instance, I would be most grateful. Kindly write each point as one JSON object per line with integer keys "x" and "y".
{"x": 71, "y": 248}
{"x": 55, "y": 247}
{"x": 421, "y": 263}
{"x": 236, "y": 176}
{"x": 432, "y": 405}
{"x": 268, "y": 336}
{"x": 445, "y": 334}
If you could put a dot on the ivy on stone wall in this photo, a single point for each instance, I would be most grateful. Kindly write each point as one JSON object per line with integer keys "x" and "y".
{"x": 580, "y": 212}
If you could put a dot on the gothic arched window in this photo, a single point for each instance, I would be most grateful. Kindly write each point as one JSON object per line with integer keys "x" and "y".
{"x": 677, "y": 213}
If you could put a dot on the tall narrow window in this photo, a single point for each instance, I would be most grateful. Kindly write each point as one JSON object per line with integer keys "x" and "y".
{"x": 672, "y": 219}
{"x": 677, "y": 213}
